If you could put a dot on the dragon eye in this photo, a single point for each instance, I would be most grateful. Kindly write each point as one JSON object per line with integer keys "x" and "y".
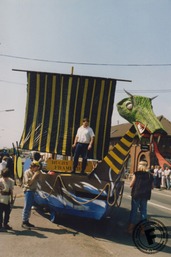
{"x": 129, "y": 105}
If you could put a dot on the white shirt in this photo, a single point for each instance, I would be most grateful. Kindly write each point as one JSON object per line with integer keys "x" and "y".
{"x": 6, "y": 186}
{"x": 3, "y": 165}
{"x": 159, "y": 173}
{"x": 167, "y": 172}
{"x": 84, "y": 134}
{"x": 155, "y": 172}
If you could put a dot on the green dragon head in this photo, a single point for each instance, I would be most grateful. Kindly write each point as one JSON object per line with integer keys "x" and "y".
{"x": 138, "y": 110}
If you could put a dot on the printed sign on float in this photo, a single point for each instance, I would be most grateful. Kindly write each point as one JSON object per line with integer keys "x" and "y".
{"x": 66, "y": 165}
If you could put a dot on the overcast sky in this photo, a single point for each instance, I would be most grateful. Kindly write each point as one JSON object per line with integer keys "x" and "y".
{"x": 125, "y": 39}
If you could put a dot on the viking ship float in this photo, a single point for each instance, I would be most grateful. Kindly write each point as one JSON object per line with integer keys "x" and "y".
{"x": 55, "y": 107}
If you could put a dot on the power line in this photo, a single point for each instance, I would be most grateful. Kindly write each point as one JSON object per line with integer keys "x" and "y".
{"x": 88, "y": 63}
{"x": 146, "y": 91}
{"x": 117, "y": 91}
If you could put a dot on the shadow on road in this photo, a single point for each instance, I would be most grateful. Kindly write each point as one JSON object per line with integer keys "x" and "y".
{"x": 112, "y": 228}
{"x": 39, "y": 232}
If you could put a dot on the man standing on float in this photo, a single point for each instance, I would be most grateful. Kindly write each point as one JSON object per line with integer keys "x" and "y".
{"x": 82, "y": 144}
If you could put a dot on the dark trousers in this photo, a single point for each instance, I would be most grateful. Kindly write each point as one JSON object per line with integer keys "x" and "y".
{"x": 4, "y": 209}
{"x": 136, "y": 204}
{"x": 80, "y": 150}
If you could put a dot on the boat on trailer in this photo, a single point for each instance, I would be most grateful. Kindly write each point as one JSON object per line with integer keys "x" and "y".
{"x": 56, "y": 104}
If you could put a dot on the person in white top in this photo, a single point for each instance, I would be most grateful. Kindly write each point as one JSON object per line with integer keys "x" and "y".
{"x": 167, "y": 173}
{"x": 82, "y": 144}
{"x": 163, "y": 179}
{"x": 6, "y": 198}
{"x": 3, "y": 164}
{"x": 155, "y": 174}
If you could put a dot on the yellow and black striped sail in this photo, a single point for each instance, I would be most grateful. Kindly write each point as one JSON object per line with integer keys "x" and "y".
{"x": 56, "y": 105}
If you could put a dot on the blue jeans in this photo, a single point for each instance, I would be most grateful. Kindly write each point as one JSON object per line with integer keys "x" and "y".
{"x": 28, "y": 203}
{"x": 136, "y": 204}
{"x": 80, "y": 150}
{"x": 168, "y": 182}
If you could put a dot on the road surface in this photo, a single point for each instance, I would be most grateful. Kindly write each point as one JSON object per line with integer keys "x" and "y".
{"x": 72, "y": 236}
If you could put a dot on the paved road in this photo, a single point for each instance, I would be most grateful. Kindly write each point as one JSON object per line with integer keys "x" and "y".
{"x": 72, "y": 236}
{"x": 159, "y": 208}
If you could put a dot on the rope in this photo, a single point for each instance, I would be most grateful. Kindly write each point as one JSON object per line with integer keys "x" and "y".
{"x": 88, "y": 201}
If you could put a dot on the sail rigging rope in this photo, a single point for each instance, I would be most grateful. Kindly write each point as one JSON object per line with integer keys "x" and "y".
{"x": 107, "y": 185}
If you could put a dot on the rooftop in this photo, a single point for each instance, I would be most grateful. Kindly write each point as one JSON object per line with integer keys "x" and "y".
{"x": 121, "y": 129}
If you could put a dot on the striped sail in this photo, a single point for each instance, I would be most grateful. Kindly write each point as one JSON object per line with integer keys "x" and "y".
{"x": 56, "y": 105}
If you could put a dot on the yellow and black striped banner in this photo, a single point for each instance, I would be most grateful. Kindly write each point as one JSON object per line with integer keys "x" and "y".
{"x": 116, "y": 157}
{"x": 56, "y": 105}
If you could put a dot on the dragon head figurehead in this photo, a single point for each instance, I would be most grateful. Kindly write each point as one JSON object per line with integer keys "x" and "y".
{"x": 138, "y": 110}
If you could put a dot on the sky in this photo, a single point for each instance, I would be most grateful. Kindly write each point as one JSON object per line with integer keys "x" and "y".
{"x": 121, "y": 39}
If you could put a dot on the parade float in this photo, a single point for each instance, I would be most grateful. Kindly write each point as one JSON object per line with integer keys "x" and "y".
{"x": 55, "y": 107}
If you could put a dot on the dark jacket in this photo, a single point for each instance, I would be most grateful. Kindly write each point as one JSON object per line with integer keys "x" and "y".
{"x": 143, "y": 185}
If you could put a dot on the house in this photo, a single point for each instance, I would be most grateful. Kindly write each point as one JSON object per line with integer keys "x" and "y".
{"x": 143, "y": 148}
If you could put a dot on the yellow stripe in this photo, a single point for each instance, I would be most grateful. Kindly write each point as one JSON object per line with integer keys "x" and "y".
{"x": 64, "y": 145}
{"x": 59, "y": 112}
{"x": 15, "y": 164}
{"x": 111, "y": 165}
{"x": 130, "y": 134}
{"x": 84, "y": 99}
{"x": 126, "y": 142}
{"x": 75, "y": 108}
{"x": 26, "y": 112}
{"x": 33, "y": 128}
{"x": 115, "y": 157}
{"x": 65, "y": 175}
{"x": 51, "y": 114}
{"x": 43, "y": 115}
{"x": 19, "y": 167}
{"x": 106, "y": 118}
{"x": 120, "y": 149}
{"x": 92, "y": 98}
{"x": 91, "y": 111}
{"x": 99, "y": 112}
